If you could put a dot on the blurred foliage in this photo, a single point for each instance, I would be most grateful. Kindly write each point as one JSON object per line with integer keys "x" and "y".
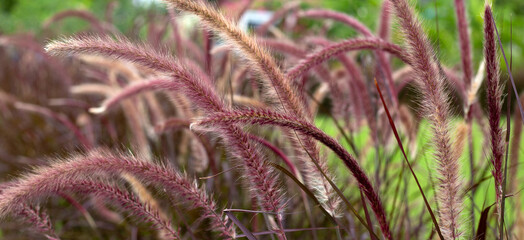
{"x": 28, "y": 15}
{"x": 446, "y": 38}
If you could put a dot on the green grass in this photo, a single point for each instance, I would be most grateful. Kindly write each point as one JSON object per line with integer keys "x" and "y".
{"x": 424, "y": 166}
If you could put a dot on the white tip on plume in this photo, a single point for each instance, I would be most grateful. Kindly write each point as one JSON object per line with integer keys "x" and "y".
{"x": 192, "y": 126}
{"x": 98, "y": 110}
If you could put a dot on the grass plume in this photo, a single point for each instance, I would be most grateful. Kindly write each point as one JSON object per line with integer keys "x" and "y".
{"x": 494, "y": 95}
{"x": 436, "y": 108}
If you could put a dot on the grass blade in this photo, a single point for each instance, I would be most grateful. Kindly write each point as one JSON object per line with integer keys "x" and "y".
{"x": 509, "y": 71}
{"x": 508, "y": 132}
{"x": 483, "y": 224}
{"x": 407, "y": 161}
{"x": 368, "y": 219}
{"x": 341, "y": 195}
{"x": 239, "y": 224}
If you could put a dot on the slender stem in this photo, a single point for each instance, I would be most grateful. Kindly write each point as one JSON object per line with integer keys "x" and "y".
{"x": 509, "y": 71}
{"x": 409, "y": 164}
{"x": 508, "y": 132}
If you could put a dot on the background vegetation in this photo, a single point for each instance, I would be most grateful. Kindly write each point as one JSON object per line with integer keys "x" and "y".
{"x": 26, "y": 15}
